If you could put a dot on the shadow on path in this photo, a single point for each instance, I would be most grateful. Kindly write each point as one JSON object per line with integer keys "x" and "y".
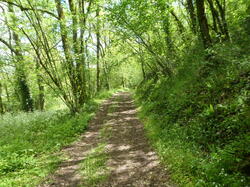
{"x": 131, "y": 160}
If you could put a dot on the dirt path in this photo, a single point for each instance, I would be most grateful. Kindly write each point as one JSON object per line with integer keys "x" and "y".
{"x": 124, "y": 157}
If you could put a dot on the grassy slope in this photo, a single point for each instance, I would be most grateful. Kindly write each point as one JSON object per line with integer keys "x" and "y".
{"x": 29, "y": 142}
{"x": 199, "y": 120}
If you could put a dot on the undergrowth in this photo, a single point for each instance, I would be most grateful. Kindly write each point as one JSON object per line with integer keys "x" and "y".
{"x": 198, "y": 120}
{"x": 29, "y": 141}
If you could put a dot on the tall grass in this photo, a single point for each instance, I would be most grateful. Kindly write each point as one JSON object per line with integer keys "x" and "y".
{"x": 29, "y": 141}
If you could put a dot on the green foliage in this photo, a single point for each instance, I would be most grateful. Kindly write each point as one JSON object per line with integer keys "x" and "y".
{"x": 29, "y": 141}
{"x": 198, "y": 99}
{"x": 199, "y": 119}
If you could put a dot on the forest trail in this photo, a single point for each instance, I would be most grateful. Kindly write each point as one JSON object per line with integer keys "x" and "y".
{"x": 113, "y": 152}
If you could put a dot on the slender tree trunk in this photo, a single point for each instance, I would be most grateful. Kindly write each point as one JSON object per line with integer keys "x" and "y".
{"x": 217, "y": 20}
{"x": 247, "y": 22}
{"x": 204, "y": 29}
{"x": 83, "y": 50}
{"x": 143, "y": 70}
{"x": 192, "y": 15}
{"x": 105, "y": 71}
{"x": 80, "y": 69}
{"x": 141, "y": 58}
{"x": 68, "y": 56}
{"x": 72, "y": 7}
{"x": 64, "y": 34}
{"x": 88, "y": 76}
{"x": 98, "y": 86}
{"x": 1, "y": 100}
{"x": 123, "y": 82}
{"x": 214, "y": 15}
{"x": 41, "y": 95}
{"x": 222, "y": 11}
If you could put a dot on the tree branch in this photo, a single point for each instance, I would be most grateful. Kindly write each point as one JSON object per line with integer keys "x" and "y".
{"x": 9, "y": 46}
{"x": 22, "y": 8}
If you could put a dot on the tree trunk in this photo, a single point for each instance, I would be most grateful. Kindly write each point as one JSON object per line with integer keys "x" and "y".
{"x": 123, "y": 82}
{"x": 80, "y": 62}
{"x": 105, "y": 71}
{"x": 98, "y": 86}
{"x": 83, "y": 50}
{"x": 192, "y": 15}
{"x": 1, "y": 100}
{"x": 23, "y": 88}
{"x": 143, "y": 70}
{"x": 41, "y": 95}
{"x": 204, "y": 29}
{"x": 74, "y": 25}
{"x": 226, "y": 36}
{"x": 247, "y": 21}
{"x": 71, "y": 70}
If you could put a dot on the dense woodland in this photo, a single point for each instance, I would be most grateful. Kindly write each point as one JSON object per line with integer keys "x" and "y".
{"x": 186, "y": 61}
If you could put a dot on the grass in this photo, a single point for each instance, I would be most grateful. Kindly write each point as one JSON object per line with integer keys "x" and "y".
{"x": 198, "y": 121}
{"x": 93, "y": 168}
{"x": 190, "y": 140}
{"x": 188, "y": 165}
{"x": 178, "y": 156}
{"x": 29, "y": 142}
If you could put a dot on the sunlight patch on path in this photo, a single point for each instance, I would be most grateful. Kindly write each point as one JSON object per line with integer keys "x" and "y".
{"x": 114, "y": 152}
{"x": 132, "y": 162}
